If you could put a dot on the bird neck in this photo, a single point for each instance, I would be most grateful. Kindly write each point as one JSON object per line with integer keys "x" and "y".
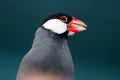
{"x": 43, "y": 35}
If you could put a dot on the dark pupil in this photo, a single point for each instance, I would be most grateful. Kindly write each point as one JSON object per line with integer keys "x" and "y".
{"x": 63, "y": 18}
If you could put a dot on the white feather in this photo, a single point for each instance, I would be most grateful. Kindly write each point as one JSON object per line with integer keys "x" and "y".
{"x": 56, "y": 26}
{"x": 71, "y": 33}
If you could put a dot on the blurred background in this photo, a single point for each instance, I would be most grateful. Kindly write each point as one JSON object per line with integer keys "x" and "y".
{"x": 96, "y": 51}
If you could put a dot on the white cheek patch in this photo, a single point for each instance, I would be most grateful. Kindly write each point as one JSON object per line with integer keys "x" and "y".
{"x": 56, "y": 26}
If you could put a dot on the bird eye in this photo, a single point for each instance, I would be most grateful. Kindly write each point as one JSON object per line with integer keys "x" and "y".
{"x": 63, "y": 18}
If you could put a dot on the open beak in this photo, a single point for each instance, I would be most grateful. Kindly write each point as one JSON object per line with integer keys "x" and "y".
{"x": 76, "y": 25}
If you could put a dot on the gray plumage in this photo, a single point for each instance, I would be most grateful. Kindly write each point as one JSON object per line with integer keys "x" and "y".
{"x": 49, "y": 52}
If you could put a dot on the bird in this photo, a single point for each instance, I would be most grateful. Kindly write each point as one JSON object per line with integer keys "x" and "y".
{"x": 49, "y": 57}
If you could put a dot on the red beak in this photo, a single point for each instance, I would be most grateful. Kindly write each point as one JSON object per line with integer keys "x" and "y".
{"x": 76, "y": 25}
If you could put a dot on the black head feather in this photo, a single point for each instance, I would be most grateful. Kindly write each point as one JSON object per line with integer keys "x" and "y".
{"x": 58, "y": 16}
{"x": 63, "y": 17}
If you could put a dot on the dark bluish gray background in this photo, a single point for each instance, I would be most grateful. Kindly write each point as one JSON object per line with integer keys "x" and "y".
{"x": 96, "y": 52}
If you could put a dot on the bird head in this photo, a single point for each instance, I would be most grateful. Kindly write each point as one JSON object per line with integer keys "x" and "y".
{"x": 61, "y": 23}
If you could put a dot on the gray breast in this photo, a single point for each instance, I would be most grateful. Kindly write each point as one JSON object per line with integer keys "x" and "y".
{"x": 48, "y": 53}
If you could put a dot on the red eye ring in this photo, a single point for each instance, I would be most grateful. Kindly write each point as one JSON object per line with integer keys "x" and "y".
{"x": 63, "y": 18}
